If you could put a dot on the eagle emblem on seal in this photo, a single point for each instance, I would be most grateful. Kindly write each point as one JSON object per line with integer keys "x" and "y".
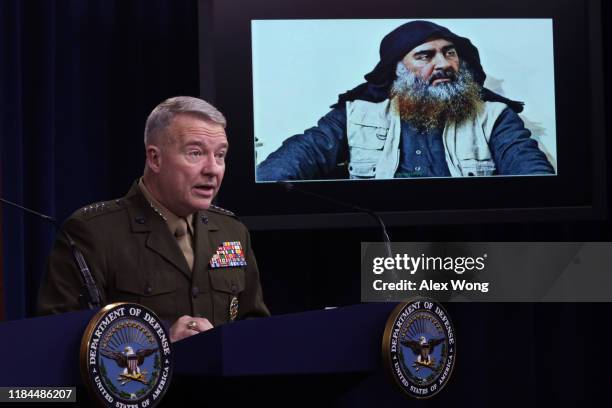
{"x": 130, "y": 361}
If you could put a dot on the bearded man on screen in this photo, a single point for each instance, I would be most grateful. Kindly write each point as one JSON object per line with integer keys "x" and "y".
{"x": 423, "y": 112}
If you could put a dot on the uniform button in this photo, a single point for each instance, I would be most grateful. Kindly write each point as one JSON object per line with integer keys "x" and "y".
{"x": 195, "y": 291}
{"x": 418, "y": 151}
{"x": 234, "y": 288}
{"x": 148, "y": 290}
{"x": 417, "y": 168}
{"x": 139, "y": 220}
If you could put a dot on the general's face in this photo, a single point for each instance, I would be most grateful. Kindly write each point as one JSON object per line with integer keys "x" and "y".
{"x": 192, "y": 164}
{"x": 434, "y": 61}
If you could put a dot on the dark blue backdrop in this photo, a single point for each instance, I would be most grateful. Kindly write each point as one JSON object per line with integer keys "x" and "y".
{"x": 78, "y": 79}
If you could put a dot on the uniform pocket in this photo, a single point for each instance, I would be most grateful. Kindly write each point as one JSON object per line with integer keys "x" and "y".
{"x": 473, "y": 167}
{"x": 366, "y": 144}
{"x": 227, "y": 280}
{"x": 227, "y": 284}
{"x": 153, "y": 289}
{"x": 359, "y": 170}
{"x": 366, "y": 140}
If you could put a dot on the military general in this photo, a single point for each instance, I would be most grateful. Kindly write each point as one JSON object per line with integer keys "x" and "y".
{"x": 164, "y": 245}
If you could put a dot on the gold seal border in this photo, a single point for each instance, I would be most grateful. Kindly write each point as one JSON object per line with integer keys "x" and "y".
{"x": 386, "y": 344}
{"x": 86, "y": 340}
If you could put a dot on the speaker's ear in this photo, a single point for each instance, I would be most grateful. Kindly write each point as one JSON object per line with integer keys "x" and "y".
{"x": 153, "y": 158}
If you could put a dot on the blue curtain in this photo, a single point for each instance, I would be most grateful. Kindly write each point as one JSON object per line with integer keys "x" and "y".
{"x": 78, "y": 79}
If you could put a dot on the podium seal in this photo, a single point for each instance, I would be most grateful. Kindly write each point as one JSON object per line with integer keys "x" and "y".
{"x": 126, "y": 358}
{"x": 419, "y": 347}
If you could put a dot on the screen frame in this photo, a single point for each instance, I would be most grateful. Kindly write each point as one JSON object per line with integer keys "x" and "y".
{"x": 274, "y": 208}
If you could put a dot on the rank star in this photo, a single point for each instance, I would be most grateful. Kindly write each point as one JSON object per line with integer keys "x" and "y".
{"x": 431, "y": 285}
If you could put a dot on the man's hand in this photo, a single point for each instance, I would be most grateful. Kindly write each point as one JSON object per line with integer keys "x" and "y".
{"x": 187, "y": 326}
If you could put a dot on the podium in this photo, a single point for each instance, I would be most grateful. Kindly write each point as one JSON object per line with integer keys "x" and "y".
{"x": 325, "y": 357}
{"x": 43, "y": 351}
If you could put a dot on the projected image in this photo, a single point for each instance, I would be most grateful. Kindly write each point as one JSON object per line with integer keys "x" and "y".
{"x": 390, "y": 99}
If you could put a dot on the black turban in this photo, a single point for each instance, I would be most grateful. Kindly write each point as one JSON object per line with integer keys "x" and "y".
{"x": 400, "y": 42}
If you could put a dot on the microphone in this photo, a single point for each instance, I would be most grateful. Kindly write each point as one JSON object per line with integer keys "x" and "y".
{"x": 91, "y": 295}
{"x": 290, "y": 187}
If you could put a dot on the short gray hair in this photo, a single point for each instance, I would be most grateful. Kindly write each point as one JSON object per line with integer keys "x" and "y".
{"x": 161, "y": 117}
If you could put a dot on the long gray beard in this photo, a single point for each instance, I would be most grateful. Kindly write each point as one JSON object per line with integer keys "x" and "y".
{"x": 430, "y": 107}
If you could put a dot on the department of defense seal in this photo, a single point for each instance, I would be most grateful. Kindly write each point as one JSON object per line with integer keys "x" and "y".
{"x": 419, "y": 347}
{"x": 126, "y": 358}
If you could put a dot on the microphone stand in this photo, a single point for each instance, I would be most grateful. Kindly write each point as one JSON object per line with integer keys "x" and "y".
{"x": 288, "y": 186}
{"x": 91, "y": 295}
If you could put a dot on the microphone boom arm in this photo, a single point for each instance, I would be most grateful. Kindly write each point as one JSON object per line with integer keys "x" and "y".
{"x": 92, "y": 294}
